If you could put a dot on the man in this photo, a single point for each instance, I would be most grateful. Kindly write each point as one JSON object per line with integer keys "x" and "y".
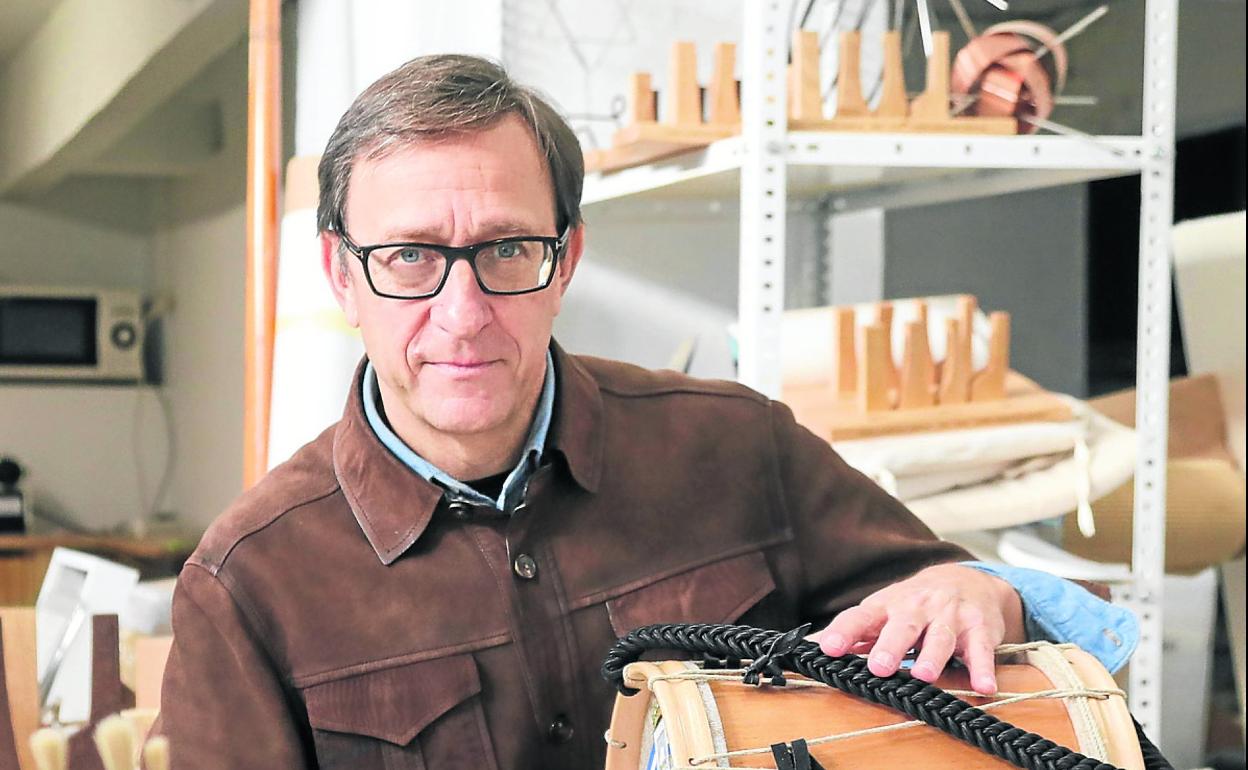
{"x": 434, "y": 581}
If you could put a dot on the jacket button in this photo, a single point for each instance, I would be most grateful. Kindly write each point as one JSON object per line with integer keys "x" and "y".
{"x": 560, "y": 730}
{"x": 461, "y": 510}
{"x": 525, "y": 566}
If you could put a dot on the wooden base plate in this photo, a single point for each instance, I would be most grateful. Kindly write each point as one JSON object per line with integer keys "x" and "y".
{"x": 839, "y": 418}
{"x": 645, "y": 142}
{"x": 900, "y": 125}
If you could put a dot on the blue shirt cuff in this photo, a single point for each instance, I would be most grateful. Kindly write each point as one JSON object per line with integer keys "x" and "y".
{"x": 1060, "y": 611}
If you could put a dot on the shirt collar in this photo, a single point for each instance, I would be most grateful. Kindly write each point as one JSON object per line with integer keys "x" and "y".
{"x": 513, "y": 486}
{"x": 393, "y": 505}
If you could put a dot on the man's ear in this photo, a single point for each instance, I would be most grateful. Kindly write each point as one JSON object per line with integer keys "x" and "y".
{"x": 337, "y": 271}
{"x": 569, "y": 261}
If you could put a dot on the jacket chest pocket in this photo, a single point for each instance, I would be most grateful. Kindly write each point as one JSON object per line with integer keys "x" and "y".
{"x": 719, "y": 592}
{"x": 418, "y": 716}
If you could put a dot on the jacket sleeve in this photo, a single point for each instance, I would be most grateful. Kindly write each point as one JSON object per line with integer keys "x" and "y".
{"x": 852, "y": 537}
{"x": 222, "y": 701}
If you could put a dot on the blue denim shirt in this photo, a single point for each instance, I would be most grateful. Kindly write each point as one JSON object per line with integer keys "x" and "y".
{"x": 1054, "y": 609}
{"x": 1061, "y": 611}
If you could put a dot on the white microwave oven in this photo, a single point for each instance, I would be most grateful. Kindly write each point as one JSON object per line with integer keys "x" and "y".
{"x": 82, "y": 334}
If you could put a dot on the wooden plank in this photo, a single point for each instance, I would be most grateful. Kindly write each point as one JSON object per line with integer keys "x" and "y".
{"x": 884, "y": 317}
{"x": 872, "y": 376}
{"x": 849, "y": 100}
{"x": 264, "y": 168}
{"x": 894, "y": 102}
{"x": 647, "y": 142}
{"x": 989, "y": 384}
{"x": 150, "y": 655}
{"x": 805, "y": 99}
{"x": 683, "y": 106}
{"x": 641, "y": 99}
{"x": 955, "y": 371}
{"x": 723, "y": 103}
{"x": 844, "y": 355}
{"x": 917, "y": 370}
{"x": 19, "y": 685}
{"x": 838, "y": 419}
{"x": 933, "y": 104}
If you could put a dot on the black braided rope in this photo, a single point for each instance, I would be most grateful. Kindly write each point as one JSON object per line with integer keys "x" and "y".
{"x": 913, "y": 697}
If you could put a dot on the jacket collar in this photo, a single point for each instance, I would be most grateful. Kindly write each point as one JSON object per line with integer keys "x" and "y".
{"x": 394, "y": 505}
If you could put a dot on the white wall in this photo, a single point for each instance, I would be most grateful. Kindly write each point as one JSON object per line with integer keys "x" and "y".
{"x": 84, "y": 447}
{"x": 199, "y": 257}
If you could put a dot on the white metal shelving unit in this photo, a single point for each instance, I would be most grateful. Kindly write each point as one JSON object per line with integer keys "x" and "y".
{"x": 767, "y": 166}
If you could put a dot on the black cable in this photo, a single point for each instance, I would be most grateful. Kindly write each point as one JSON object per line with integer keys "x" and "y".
{"x": 913, "y": 697}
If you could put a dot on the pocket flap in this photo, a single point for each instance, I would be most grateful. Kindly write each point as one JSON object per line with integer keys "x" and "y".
{"x": 719, "y": 592}
{"x": 396, "y": 703}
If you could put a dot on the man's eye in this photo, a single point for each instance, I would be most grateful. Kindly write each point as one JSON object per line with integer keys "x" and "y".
{"x": 509, "y": 250}
{"x": 411, "y": 255}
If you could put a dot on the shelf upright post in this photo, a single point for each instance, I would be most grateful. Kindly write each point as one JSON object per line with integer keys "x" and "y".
{"x": 1148, "y": 558}
{"x": 764, "y": 129}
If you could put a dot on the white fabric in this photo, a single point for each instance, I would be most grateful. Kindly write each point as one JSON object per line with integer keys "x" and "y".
{"x": 959, "y": 450}
{"x": 1039, "y": 489}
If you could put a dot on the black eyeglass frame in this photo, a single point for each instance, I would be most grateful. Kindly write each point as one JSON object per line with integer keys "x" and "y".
{"x": 453, "y": 254}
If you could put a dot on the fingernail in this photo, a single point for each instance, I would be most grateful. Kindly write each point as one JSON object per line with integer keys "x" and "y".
{"x": 834, "y": 643}
{"x": 925, "y": 671}
{"x": 884, "y": 660}
{"x": 986, "y": 685}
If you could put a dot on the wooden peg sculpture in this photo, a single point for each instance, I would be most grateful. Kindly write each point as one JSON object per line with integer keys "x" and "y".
{"x": 683, "y": 106}
{"x": 916, "y": 368}
{"x": 723, "y": 105}
{"x": 929, "y": 112}
{"x": 989, "y": 384}
{"x": 872, "y": 372}
{"x": 642, "y": 102}
{"x": 884, "y": 317}
{"x": 805, "y": 101}
{"x": 680, "y": 127}
{"x": 845, "y": 358}
{"x": 955, "y": 372}
{"x": 861, "y": 401}
{"x": 932, "y": 106}
{"x": 894, "y": 104}
{"x": 849, "y": 100}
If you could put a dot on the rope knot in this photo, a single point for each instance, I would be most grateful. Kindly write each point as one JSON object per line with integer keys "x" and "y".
{"x": 768, "y": 664}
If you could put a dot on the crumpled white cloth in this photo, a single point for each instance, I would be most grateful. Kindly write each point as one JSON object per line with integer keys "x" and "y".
{"x": 1001, "y": 476}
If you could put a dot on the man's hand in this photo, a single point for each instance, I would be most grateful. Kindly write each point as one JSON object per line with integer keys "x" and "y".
{"x": 942, "y": 611}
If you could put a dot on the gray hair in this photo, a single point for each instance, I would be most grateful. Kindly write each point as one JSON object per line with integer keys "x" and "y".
{"x": 433, "y": 96}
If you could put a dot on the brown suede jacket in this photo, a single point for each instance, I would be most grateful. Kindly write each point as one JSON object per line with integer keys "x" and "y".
{"x": 341, "y": 615}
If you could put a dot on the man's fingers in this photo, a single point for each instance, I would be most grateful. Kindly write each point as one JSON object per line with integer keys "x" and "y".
{"x": 900, "y": 633}
{"x": 939, "y": 642}
{"x": 851, "y": 626}
{"x": 977, "y": 654}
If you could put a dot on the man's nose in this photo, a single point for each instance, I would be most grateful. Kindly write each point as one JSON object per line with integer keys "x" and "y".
{"x": 461, "y": 308}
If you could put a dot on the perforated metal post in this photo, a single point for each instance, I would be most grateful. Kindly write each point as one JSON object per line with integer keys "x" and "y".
{"x": 1153, "y": 362}
{"x": 763, "y": 193}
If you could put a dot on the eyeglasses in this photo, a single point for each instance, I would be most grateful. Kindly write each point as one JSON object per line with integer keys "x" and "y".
{"x": 517, "y": 265}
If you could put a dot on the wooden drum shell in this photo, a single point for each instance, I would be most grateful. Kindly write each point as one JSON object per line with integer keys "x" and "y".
{"x": 754, "y": 717}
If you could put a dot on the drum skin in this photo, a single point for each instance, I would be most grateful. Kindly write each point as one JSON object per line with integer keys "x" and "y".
{"x": 756, "y": 717}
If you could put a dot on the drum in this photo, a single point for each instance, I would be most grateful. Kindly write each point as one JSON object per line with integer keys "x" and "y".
{"x": 687, "y": 716}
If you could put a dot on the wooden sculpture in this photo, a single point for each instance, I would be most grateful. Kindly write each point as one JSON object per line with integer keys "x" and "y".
{"x": 929, "y": 112}
{"x": 690, "y": 118}
{"x": 869, "y": 392}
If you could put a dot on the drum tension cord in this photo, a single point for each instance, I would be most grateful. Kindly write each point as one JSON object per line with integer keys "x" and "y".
{"x": 773, "y": 652}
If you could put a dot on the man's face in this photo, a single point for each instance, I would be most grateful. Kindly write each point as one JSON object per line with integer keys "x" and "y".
{"x": 461, "y": 362}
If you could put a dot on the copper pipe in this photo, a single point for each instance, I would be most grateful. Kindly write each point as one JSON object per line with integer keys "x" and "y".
{"x": 264, "y": 151}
